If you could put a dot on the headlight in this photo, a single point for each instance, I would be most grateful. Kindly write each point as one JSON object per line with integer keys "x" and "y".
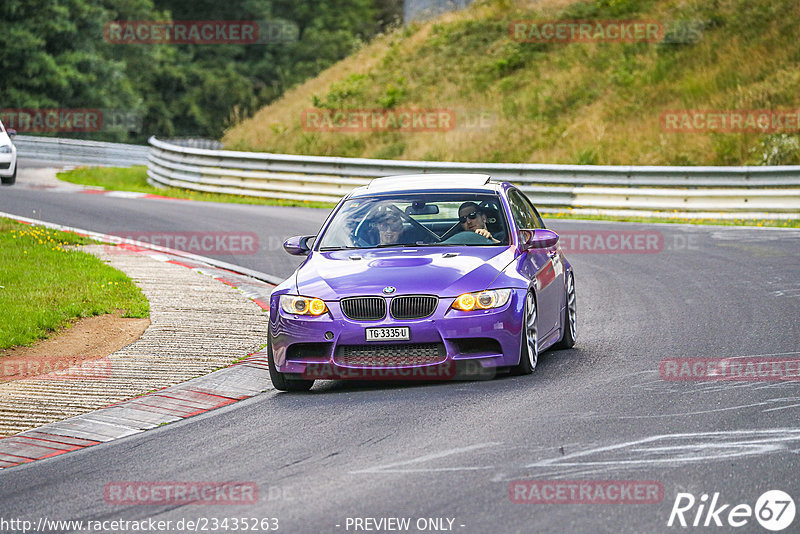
{"x": 302, "y": 305}
{"x": 5, "y": 149}
{"x": 482, "y": 300}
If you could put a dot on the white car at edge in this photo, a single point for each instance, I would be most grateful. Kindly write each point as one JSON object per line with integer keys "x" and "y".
{"x": 8, "y": 156}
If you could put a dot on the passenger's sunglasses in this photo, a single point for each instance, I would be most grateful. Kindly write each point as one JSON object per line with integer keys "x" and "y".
{"x": 395, "y": 225}
{"x": 471, "y": 216}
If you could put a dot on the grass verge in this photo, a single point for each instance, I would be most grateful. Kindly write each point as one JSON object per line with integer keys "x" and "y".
{"x": 45, "y": 283}
{"x": 765, "y": 223}
{"x": 135, "y": 179}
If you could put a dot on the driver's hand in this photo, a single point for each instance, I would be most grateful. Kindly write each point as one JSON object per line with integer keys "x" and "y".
{"x": 484, "y": 232}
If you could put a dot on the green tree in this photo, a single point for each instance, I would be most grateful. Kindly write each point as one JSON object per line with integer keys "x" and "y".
{"x": 53, "y": 54}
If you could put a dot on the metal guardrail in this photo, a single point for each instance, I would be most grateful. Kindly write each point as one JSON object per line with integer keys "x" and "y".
{"x": 196, "y": 142}
{"x": 733, "y": 192}
{"x": 742, "y": 191}
{"x": 80, "y": 152}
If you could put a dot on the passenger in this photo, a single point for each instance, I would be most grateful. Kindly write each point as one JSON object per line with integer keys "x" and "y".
{"x": 473, "y": 219}
{"x": 390, "y": 227}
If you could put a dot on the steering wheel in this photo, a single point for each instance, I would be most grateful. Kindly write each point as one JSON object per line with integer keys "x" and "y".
{"x": 453, "y": 230}
{"x": 468, "y": 238}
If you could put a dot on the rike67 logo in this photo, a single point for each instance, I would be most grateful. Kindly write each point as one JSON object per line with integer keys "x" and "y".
{"x": 774, "y": 510}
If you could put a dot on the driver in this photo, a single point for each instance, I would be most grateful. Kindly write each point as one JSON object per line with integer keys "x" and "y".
{"x": 473, "y": 219}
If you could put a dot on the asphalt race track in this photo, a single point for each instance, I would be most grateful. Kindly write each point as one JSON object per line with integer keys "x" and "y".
{"x": 599, "y": 412}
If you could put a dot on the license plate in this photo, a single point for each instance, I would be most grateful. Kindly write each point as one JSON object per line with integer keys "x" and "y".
{"x": 386, "y": 334}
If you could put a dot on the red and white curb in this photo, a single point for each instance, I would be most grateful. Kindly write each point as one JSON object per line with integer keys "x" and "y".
{"x": 69, "y": 187}
{"x": 127, "y": 194}
{"x": 232, "y": 384}
{"x": 240, "y": 381}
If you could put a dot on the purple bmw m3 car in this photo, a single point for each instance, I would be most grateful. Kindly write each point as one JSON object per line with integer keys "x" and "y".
{"x": 418, "y": 276}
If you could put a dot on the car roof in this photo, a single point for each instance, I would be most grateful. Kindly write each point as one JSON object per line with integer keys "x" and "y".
{"x": 428, "y": 183}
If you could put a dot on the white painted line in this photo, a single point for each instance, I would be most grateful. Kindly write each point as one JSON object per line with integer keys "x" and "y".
{"x": 388, "y": 468}
{"x": 781, "y": 408}
{"x": 696, "y": 447}
{"x": 701, "y": 412}
{"x": 125, "y": 194}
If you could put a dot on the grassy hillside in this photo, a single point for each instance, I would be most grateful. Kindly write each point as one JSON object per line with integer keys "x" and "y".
{"x": 585, "y": 103}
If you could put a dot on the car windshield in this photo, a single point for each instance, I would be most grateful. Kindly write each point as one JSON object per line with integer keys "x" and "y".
{"x": 440, "y": 219}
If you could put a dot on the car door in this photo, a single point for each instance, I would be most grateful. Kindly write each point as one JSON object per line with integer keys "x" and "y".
{"x": 542, "y": 265}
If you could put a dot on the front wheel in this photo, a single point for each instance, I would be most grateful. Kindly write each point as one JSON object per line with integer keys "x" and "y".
{"x": 570, "y": 318}
{"x": 281, "y": 381}
{"x": 529, "y": 350}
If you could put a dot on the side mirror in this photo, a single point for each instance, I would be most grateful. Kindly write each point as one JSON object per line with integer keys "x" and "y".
{"x": 12, "y": 133}
{"x": 298, "y": 245}
{"x": 538, "y": 238}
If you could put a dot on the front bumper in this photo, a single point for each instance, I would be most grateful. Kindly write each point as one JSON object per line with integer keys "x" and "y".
{"x": 335, "y": 345}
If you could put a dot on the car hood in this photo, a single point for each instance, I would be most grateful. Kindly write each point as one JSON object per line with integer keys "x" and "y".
{"x": 442, "y": 271}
